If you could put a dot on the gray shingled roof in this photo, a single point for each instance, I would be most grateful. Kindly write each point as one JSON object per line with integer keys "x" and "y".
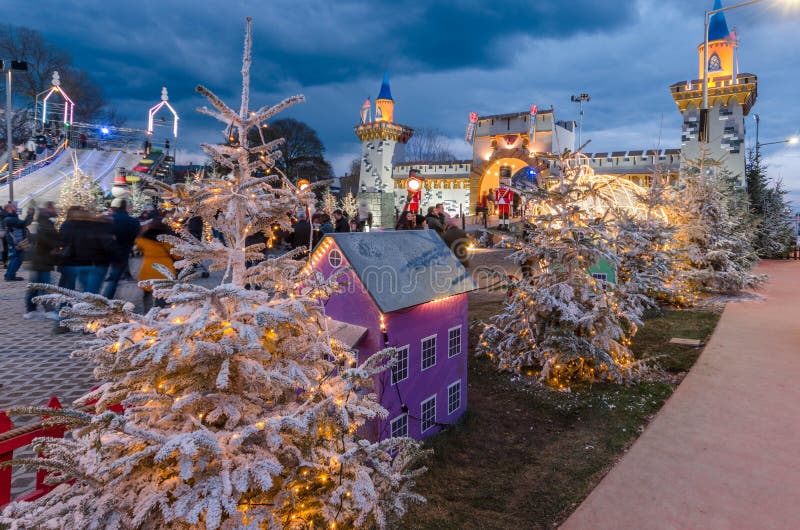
{"x": 402, "y": 269}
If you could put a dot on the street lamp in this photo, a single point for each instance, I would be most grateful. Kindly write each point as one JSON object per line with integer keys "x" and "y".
{"x": 8, "y": 67}
{"x": 791, "y": 141}
{"x": 579, "y": 99}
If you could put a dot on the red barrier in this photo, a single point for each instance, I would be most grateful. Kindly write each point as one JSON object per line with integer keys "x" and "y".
{"x": 12, "y": 439}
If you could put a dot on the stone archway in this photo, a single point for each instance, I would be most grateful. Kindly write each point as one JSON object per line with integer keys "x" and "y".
{"x": 485, "y": 175}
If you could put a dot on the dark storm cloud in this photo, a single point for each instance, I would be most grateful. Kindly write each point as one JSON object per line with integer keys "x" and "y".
{"x": 314, "y": 42}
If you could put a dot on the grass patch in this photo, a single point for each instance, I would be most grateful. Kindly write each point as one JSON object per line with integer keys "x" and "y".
{"x": 525, "y": 457}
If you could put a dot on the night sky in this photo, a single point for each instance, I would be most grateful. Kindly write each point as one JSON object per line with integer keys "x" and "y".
{"x": 445, "y": 59}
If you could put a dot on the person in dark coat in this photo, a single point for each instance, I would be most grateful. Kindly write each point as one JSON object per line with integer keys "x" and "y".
{"x": 432, "y": 220}
{"x": 88, "y": 243}
{"x": 342, "y": 224}
{"x": 125, "y": 229}
{"x": 325, "y": 225}
{"x": 16, "y": 237}
{"x": 301, "y": 233}
{"x": 44, "y": 257}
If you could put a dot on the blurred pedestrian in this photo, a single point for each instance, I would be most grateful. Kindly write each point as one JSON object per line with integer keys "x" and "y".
{"x": 154, "y": 252}
{"x": 125, "y": 229}
{"x": 88, "y": 249}
{"x": 363, "y": 216}
{"x": 301, "y": 234}
{"x": 44, "y": 258}
{"x": 17, "y": 238}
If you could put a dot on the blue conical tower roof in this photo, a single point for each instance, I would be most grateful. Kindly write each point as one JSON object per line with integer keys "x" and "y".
{"x": 718, "y": 26}
{"x": 385, "y": 92}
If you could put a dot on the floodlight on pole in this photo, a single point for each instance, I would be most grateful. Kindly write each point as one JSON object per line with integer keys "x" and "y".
{"x": 579, "y": 99}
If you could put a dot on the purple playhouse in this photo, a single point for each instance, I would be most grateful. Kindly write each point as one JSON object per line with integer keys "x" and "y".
{"x": 405, "y": 290}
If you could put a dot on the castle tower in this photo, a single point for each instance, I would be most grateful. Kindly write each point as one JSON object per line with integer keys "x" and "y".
{"x": 731, "y": 95}
{"x": 382, "y": 144}
{"x": 382, "y": 141}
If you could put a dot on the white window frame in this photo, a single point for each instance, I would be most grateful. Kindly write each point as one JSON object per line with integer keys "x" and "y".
{"x": 402, "y": 417}
{"x": 602, "y": 276}
{"x": 450, "y": 353}
{"x": 406, "y": 348}
{"x": 422, "y": 352}
{"x": 456, "y": 383}
{"x": 341, "y": 258}
{"x": 422, "y": 404}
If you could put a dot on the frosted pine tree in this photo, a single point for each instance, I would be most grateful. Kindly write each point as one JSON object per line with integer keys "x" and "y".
{"x": 138, "y": 199}
{"x": 716, "y": 232}
{"x": 239, "y": 410}
{"x": 560, "y": 324}
{"x": 776, "y": 232}
{"x": 349, "y": 205}
{"x": 79, "y": 189}
{"x": 649, "y": 260}
{"x": 328, "y": 203}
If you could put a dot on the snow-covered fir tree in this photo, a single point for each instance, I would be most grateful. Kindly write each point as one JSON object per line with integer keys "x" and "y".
{"x": 79, "y": 189}
{"x": 560, "y": 324}
{"x": 240, "y": 411}
{"x": 349, "y": 205}
{"x": 648, "y": 258}
{"x": 775, "y": 233}
{"x": 328, "y": 203}
{"x": 138, "y": 199}
{"x": 716, "y": 230}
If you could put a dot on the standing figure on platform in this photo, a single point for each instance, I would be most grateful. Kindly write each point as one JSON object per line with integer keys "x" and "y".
{"x": 503, "y": 198}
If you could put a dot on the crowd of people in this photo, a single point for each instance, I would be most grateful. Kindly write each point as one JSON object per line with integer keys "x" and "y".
{"x": 88, "y": 250}
{"x": 305, "y": 233}
{"x": 92, "y": 252}
{"x": 446, "y": 226}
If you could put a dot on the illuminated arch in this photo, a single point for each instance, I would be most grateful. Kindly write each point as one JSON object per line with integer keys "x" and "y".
{"x": 486, "y": 175}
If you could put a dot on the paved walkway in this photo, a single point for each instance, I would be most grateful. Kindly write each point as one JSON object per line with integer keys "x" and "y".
{"x": 724, "y": 452}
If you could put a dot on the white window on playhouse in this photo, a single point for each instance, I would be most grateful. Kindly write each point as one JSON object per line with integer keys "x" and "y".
{"x": 400, "y": 368}
{"x": 400, "y": 426}
{"x": 600, "y": 276}
{"x": 454, "y": 397}
{"x": 428, "y": 413}
{"x": 453, "y": 341}
{"x": 428, "y": 352}
{"x": 335, "y": 258}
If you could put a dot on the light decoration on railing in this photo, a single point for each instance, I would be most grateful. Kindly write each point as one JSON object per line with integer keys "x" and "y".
{"x": 153, "y": 110}
{"x": 69, "y": 106}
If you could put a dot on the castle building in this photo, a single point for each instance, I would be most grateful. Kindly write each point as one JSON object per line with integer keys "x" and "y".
{"x": 521, "y": 144}
{"x": 731, "y": 95}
